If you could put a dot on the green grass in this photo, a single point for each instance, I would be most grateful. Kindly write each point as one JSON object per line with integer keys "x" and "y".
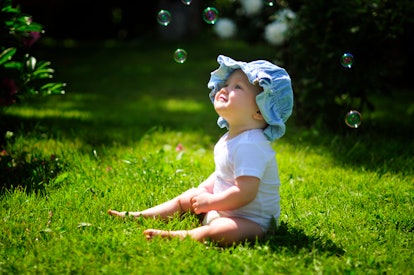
{"x": 347, "y": 201}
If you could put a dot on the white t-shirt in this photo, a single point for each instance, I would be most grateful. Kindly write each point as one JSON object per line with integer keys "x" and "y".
{"x": 249, "y": 154}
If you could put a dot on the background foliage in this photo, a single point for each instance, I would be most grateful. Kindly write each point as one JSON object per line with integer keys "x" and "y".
{"x": 21, "y": 74}
{"x": 379, "y": 34}
{"x": 22, "y": 77}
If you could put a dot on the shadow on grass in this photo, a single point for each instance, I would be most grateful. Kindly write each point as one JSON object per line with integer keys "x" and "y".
{"x": 295, "y": 240}
{"x": 383, "y": 143}
{"x": 27, "y": 171}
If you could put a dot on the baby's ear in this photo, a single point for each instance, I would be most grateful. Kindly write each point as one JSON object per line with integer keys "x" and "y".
{"x": 258, "y": 115}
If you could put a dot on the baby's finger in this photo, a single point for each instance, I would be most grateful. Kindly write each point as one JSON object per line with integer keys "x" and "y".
{"x": 196, "y": 210}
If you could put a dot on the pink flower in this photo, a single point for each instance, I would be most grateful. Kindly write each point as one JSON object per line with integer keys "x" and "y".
{"x": 8, "y": 90}
{"x": 179, "y": 148}
{"x": 3, "y": 153}
{"x": 31, "y": 38}
{"x": 9, "y": 86}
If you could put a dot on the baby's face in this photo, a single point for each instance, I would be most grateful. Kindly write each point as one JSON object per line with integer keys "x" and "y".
{"x": 236, "y": 100}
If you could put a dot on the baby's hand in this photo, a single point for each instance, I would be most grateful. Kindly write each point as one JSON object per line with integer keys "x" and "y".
{"x": 200, "y": 203}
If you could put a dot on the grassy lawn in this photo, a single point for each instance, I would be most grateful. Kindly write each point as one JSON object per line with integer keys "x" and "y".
{"x": 110, "y": 142}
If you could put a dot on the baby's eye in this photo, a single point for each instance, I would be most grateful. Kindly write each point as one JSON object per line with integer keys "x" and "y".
{"x": 237, "y": 87}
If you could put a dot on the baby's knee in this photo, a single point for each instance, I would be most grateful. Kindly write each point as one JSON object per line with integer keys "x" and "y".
{"x": 184, "y": 200}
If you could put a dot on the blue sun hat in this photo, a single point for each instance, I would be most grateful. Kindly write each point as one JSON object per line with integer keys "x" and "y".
{"x": 276, "y": 100}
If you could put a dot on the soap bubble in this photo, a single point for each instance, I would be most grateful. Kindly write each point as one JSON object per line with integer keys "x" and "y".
{"x": 164, "y": 17}
{"x": 210, "y": 15}
{"x": 269, "y": 3}
{"x": 186, "y": 2}
{"x": 180, "y": 55}
{"x": 353, "y": 119}
{"x": 347, "y": 60}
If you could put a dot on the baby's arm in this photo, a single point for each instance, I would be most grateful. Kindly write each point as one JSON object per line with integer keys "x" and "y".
{"x": 243, "y": 192}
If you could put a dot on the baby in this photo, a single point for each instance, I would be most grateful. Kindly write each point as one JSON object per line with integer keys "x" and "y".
{"x": 241, "y": 197}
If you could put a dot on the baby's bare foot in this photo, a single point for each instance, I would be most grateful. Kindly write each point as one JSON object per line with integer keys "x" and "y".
{"x": 151, "y": 233}
{"x": 124, "y": 214}
{"x": 117, "y": 213}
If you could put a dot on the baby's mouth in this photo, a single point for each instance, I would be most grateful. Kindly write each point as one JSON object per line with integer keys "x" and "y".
{"x": 222, "y": 98}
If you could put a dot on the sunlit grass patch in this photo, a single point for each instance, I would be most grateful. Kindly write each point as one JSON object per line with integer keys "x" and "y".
{"x": 28, "y": 112}
{"x": 183, "y": 105}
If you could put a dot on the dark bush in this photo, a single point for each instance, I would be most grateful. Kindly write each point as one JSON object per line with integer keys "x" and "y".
{"x": 27, "y": 171}
{"x": 374, "y": 32}
{"x": 21, "y": 74}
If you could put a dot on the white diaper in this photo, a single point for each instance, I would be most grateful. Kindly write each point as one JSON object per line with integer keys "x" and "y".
{"x": 210, "y": 216}
{"x": 265, "y": 224}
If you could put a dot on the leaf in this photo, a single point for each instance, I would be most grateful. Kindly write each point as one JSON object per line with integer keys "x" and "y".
{"x": 53, "y": 88}
{"x": 13, "y": 65}
{"x": 9, "y": 9}
{"x": 43, "y": 64}
{"x": 7, "y": 54}
{"x": 61, "y": 177}
{"x": 43, "y": 73}
{"x": 41, "y": 76}
{"x": 41, "y": 69}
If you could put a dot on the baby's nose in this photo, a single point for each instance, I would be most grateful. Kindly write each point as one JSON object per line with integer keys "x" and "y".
{"x": 223, "y": 89}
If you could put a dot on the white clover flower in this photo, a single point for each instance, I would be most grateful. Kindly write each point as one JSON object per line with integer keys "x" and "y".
{"x": 275, "y": 33}
{"x": 251, "y": 7}
{"x": 225, "y": 28}
{"x": 286, "y": 14}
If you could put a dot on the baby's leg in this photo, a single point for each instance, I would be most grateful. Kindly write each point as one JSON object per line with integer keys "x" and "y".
{"x": 181, "y": 203}
{"x": 224, "y": 231}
